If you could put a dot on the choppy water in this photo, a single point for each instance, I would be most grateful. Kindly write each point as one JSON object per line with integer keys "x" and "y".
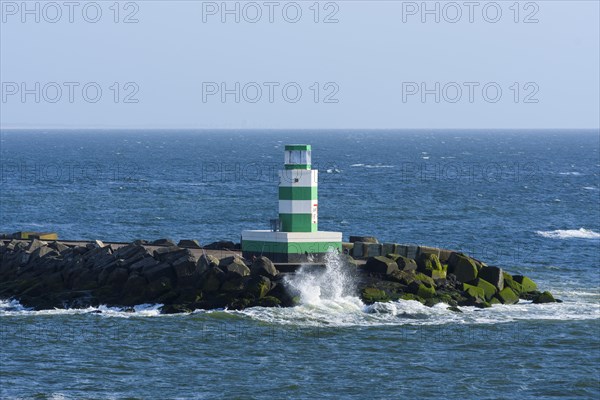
{"x": 528, "y": 202}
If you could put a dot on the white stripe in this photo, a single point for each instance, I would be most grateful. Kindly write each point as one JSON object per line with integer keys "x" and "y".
{"x": 304, "y": 177}
{"x": 297, "y": 206}
{"x": 298, "y": 237}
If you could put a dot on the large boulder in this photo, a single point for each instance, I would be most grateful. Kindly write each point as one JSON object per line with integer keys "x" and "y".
{"x": 511, "y": 283}
{"x": 236, "y": 269}
{"x": 258, "y": 286}
{"x": 170, "y": 253}
{"x": 527, "y": 284}
{"x": 404, "y": 263}
{"x": 381, "y": 265}
{"x": 221, "y": 245}
{"x": 158, "y": 271}
{"x": 205, "y": 262}
{"x": 189, "y": 243}
{"x": 34, "y": 245}
{"x": 263, "y": 266}
{"x": 493, "y": 275}
{"x": 545, "y": 297}
{"x": 371, "y": 295}
{"x": 163, "y": 242}
{"x": 507, "y": 296}
{"x": 463, "y": 267}
{"x": 489, "y": 290}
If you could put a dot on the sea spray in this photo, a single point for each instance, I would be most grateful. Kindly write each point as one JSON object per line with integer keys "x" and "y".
{"x": 335, "y": 282}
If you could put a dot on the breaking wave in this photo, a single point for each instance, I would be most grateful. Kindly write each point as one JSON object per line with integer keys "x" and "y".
{"x": 580, "y": 233}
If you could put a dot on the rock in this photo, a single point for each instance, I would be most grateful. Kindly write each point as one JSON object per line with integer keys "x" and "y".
{"x": 423, "y": 290}
{"x": 189, "y": 243}
{"x": 404, "y": 263}
{"x": 170, "y": 253}
{"x": 463, "y": 267}
{"x": 380, "y": 265}
{"x": 488, "y": 289}
{"x": 96, "y": 244}
{"x": 236, "y": 269}
{"x": 133, "y": 291}
{"x": 205, "y": 262}
{"x": 507, "y": 296}
{"x": 230, "y": 259}
{"x": 221, "y": 245}
{"x": 58, "y": 246}
{"x": 493, "y": 275}
{"x": 269, "y": 301}
{"x": 263, "y": 266}
{"x": 185, "y": 267}
{"x": 545, "y": 297}
{"x": 211, "y": 280}
{"x": 350, "y": 262}
{"x": 371, "y": 295}
{"x": 43, "y": 252}
{"x": 363, "y": 239}
{"x": 158, "y": 287}
{"x": 117, "y": 278}
{"x": 428, "y": 262}
{"x": 158, "y": 271}
{"x": 510, "y": 282}
{"x": 527, "y": 284}
{"x": 258, "y": 286}
{"x": 163, "y": 242}
{"x": 34, "y": 245}
{"x": 474, "y": 292}
{"x": 139, "y": 266}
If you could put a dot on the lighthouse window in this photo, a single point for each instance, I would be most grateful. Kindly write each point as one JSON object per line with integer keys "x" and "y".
{"x": 297, "y": 157}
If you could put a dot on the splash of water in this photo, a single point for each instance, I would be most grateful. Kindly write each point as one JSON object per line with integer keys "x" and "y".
{"x": 332, "y": 283}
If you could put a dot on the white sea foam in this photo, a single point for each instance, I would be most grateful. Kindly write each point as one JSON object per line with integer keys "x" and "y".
{"x": 590, "y": 188}
{"x": 580, "y": 233}
{"x": 14, "y": 308}
{"x": 372, "y": 165}
{"x": 573, "y": 173}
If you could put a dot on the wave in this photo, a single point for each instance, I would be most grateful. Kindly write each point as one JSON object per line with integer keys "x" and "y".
{"x": 14, "y": 308}
{"x": 372, "y": 165}
{"x": 574, "y": 173}
{"x": 580, "y": 233}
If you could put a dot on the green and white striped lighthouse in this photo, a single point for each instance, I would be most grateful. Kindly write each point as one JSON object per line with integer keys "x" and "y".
{"x": 298, "y": 183}
{"x": 295, "y": 236}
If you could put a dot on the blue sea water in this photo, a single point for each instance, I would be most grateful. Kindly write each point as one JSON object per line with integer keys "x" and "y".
{"x": 526, "y": 201}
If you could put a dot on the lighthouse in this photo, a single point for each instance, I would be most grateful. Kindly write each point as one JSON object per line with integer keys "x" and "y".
{"x": 294, "y": 236}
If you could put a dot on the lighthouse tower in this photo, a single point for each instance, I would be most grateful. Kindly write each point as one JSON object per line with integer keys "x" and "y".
{"x": 295, "y": 236}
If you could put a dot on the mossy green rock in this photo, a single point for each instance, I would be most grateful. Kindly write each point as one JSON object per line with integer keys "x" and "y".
{"x": 494, "y": 301}
{"x": 488, "y": 288}
{"x": 269, "y": 301}
{"x": 493, "y": 275}
{"x": 404, "y": 263}
{"x": 425, "y": 292}
{"x": 510, "y": 283}
{"x": 425, "y": 279}
{"x": 372, "y": 295}
{"x": 527, "y": 284}
{"x": 429, "y": 262}
{"x": 463, "y": 267}
{"x": 507, "y": 296}
{"x": 545, "y": 297}
{"x": 473, "y": 292}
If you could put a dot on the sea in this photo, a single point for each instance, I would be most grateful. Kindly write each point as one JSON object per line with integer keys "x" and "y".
{"x": 527, "y": 201}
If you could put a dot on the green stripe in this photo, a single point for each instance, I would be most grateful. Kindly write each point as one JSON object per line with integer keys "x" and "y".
{"x": 297, "y": 146}
{"x": 298, "y": 193}
{"x": 297, "y": 166}
{"x": 297, "y": 223}
{"x": 257, "y": 246}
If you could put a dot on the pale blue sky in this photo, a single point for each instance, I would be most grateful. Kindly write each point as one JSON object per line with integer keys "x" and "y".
{"x": 375, "y": 61}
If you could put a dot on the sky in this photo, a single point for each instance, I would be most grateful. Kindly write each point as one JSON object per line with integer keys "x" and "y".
{"x": 300, "y": 65}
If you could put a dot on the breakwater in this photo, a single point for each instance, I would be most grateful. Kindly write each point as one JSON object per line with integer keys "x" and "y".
{"x": 184, "y": 277}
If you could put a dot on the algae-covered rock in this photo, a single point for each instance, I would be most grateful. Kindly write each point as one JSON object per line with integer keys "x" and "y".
{"x": 258, "y": 286}
{"x": 425, "y": 279}
{"x": 404, "y": 263}
{"x": 264, "y": 267}
{"x": 493, "y": 275}
{"x": 428, "y": 262}
{"x": 236, "y": 269}
{"x": 205, "y": 262}
{"x": 269, "y": 301}
{"x": 463, "y": 267}
{"x": 512, "y": 284}
{"x": 488, "y": 289}
{"x": 507, "y": 296}
{"x": 474, "y": 292}
{"x": 545, "y": 297}
{"x": 381, "y": 265}
{"x": 422, "y": 290}
{"x": 371, "y": 295}
{"x": 527, "y": 284}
